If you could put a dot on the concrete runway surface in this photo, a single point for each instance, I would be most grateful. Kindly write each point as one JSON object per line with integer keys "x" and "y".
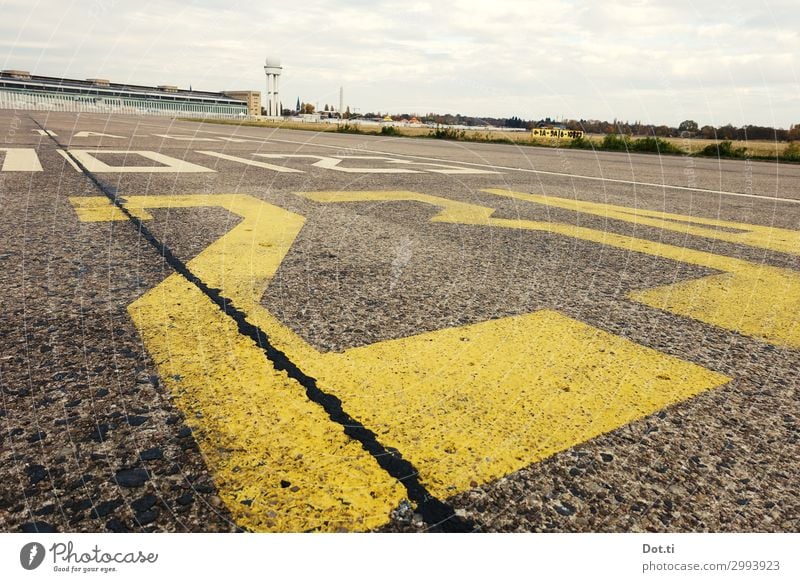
{"x": 206, "y": 327}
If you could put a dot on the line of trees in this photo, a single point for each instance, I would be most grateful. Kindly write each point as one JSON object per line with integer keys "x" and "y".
{"x": 303, "y": 107}
{"x": 687, "y": 128}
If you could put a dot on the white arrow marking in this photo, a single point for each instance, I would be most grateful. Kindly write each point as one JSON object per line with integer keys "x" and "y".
{"x": 95, "y": 134}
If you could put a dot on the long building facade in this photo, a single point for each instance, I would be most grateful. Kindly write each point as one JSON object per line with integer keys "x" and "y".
{"x": 21, "y": 90}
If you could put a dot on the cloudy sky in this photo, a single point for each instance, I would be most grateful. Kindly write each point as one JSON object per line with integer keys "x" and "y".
{"x": 658, "y": 61}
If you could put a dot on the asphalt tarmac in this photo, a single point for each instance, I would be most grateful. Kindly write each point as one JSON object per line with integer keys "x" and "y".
{"x": 206, "y": 327}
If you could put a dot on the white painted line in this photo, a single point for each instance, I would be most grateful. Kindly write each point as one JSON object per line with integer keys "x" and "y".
{"x": 20, "y": 160}
{"x": 45, "y": 132}
{"x": 70, "y": 161}
{"x": 238, "y": 140}
{"x": 95, "y": 134}
{"x": 447, "y": 169}
{"x": 333, "y": 163}
{"x": 171, "y": 165}
{"x": 184, "y": 137}
{"x": 543, "y": 172}
{"x": 435, "y": 168}
{"x": 251, "y": 162}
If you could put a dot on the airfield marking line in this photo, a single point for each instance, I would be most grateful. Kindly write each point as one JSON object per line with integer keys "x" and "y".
{"x": 96, "y": 134}
{"x": 70, "y": 161}
{"x": 477, "y": 402}
{"x": 237, "y": 140}
{"x": 329, "y": 163}
{"x": 529, "y": 170}
{"x": 428, "y": 166}
{"x": 733, "y": 300}
{"x": 257, "y": 139}
{"x": 20, "y": 160}
{"x": 279, "y": 461}
{"x": 460, "y": 404}
{"x": 171, "y": 165}
{"x": 267, "y": 444}
{"x": 184, "y": 137}
{"x": 756, "y": 300}
{"x": 758, "y": 236}
{"x": 248, "y": 162}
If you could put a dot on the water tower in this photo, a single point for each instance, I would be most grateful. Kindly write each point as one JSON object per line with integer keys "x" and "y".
{"x": 272, "y": 68}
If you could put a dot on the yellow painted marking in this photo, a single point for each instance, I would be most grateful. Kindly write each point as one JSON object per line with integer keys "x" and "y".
{"x": 765, "y": 237}
{"x": 466, "y": 404}
{"x": 478, "y": 402}
{"x": 171, "y": 165}
{"x": 756, "y": 300}
{"x": 762, "y": 302}
{"x": 257, "y": 427}
{"x": 100, "y": 209}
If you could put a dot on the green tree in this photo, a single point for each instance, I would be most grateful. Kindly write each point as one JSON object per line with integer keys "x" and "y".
{"x": 708, "y": 132}
{"x": 688, "y": 125}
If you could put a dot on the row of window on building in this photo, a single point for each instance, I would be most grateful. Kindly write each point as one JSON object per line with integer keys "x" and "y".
{"x": 36, "y": 100}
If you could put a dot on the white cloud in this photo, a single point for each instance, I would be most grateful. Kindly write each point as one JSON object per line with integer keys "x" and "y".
{"x": 660, "y": 61}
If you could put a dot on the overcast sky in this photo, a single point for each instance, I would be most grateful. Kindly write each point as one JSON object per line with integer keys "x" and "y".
{"x": 658, "y": 61}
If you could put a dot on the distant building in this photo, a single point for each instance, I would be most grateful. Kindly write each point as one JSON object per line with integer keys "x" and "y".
{"x": 21, "y": 90}
{"x": 252, "y": 98}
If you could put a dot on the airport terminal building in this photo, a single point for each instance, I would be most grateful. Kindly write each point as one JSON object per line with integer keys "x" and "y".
{"x": 21, "y": 90}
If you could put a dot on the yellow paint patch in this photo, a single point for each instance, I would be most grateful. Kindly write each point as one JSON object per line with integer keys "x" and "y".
{"x": 463, "y": 404}
{"x": 256, "y": 426}
{"x": 100, "y": 209}
{"x": 755, "y": 300}
{"x": 764, "y": 237}
{"x": 478, "y": 402}
{"x": 762, "y": 302}
{"x": 729, "y": 310}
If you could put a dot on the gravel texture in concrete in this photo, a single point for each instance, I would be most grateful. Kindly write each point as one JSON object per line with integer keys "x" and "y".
{"x": 93, "y": 439}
